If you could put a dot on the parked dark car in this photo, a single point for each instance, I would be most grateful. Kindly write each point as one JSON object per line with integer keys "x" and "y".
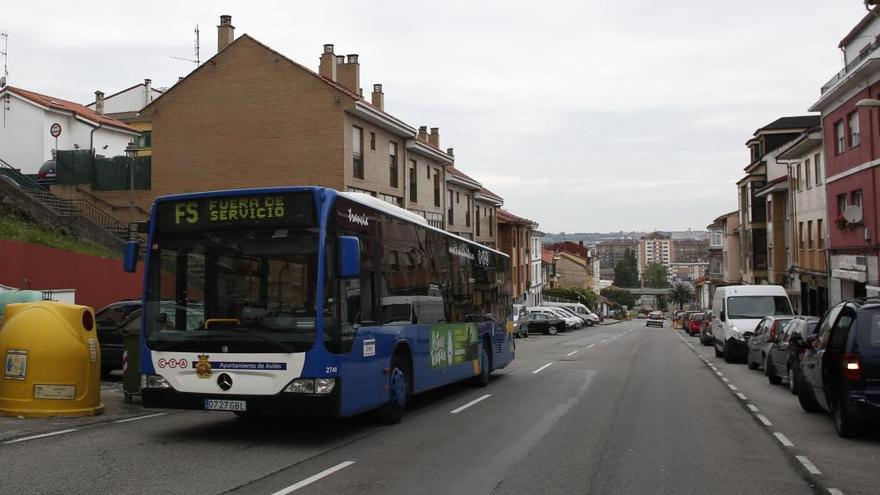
{"x": 706, "y": 337}
{"x": 840, "y": 367}
{"x": 784, "y": 354}
{"x": 47, "y": 174}
{"x": 767, "y": 332}
{"x": 540, "y": 322}
{"x": 694, "y": 323}
{"x": 109, "y": 321}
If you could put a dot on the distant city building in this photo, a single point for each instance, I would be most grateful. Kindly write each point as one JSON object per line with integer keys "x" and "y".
{"x": 611, "y": 252}
{"x": 691, "y": 250}
{"x": 655, "y": 248}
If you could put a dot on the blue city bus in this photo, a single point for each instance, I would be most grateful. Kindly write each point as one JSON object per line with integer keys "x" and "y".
{"x": 308, "y": 300}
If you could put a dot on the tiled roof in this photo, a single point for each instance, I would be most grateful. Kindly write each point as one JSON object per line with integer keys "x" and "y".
{"x": 69, "y": 106}
{"x": 487, "y": 192}
{"x": 508, "y": 217}
{"x": 458, "y": 173}
{"x": 797, "y": 122}
{"x": 547, "y": 256}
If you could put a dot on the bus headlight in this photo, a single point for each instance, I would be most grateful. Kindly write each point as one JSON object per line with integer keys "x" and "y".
{"x": 301, "y": 386}
{"x": 324, "y": 385}
{"x": 154, "y": 381}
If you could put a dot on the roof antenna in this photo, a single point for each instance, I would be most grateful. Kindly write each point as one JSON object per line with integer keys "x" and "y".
{"x": 196, "y": 60}
{"x": 4, "y": 52}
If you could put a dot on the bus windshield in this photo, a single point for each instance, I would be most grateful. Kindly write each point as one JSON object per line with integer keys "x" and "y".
{"x": 233, "y": 291}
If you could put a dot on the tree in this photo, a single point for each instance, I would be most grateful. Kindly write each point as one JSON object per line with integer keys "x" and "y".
{"x": 681, "y": 295}
{"x": 656, "y": 276}
{"x": 619, "y": 297}
{"x": 584, "y": 296}
{"x": 626, "y": 273}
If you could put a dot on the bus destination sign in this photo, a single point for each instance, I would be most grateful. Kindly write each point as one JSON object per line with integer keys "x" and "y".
{"x": 255, "y": 210}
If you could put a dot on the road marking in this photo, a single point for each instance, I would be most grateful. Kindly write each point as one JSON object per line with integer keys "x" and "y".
{"x": 136, "y": 418}
{"x": 741, "y": 396}
{"x": 724, "y": 379}
{"x": 572, "y": 353}
{"x": 807, "y": 464}
{"x": 591, "y": 345}
{"x": 542, "y": 368}
{"x": 606, "y": 340}
{"x": 783, "y": 439}
{"x": 766, "y": 422}
{"x": 719, "y": 374}
{"x": 732, "y": 387}
{"x": 43, "y": 435}
{"x": 469, "y": 404}
{"x": 835, "y": 491}
{"x": 752, "y": 408}
{"x": 311, "y": 479}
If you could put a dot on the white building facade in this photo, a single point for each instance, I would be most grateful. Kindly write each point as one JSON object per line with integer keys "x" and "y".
{"x": 536, "y": 273}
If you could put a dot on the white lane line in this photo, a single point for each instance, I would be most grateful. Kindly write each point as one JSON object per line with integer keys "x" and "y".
{"x": 724, "y": 379}
{"x": 741, "y": 396}
{"x": 606, "y": 340}
{"x": 766, "y": 422}
{"x": 311, "y": 479}
{"x": 43, "y": 435}
{"x": 719, "y": 374}
{"x": 807, "y": 464}
{"x": 834, "y": 491}
{"x": 542, "y": 368}
{"x": 572, "y": 353}
{"x": 136, "y": 418}
{"x": 469, "y": 404}
{"x": 783, "y": 439}
{"x": 752, "y": 408}
{"x": 732, "y": 387}
{"x": 591, "y": 345}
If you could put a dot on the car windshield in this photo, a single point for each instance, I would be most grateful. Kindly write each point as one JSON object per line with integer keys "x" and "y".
{"x": 757, "y": 307}
{"x": 245, "y": 290}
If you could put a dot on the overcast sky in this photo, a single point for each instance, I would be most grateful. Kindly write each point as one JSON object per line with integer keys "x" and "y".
{"x": 585, "y": 115}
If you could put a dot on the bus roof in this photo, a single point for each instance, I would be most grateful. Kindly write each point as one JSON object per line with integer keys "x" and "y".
{"x": 364, "y": 199}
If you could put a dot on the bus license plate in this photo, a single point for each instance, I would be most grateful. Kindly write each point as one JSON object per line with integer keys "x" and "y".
{"x": 225, "y": 405}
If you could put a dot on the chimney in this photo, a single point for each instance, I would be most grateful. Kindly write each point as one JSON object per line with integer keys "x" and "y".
{"x": 450, "y": 151}
{"x": 423, "y": 134}
{"x": 328, "y": 63}
{"x": 225, "y": 32}
{"x": 349, "y": 73}
{"x": 99, "y": 101}
{"x": 434, "y": 137}
{"x": 148, "y": 88}
{"x": 378, "y": 99}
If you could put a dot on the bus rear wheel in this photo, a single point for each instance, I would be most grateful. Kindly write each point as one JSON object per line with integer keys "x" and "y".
{"x": 482, "y": 379}
{"x": 398, "y": 391}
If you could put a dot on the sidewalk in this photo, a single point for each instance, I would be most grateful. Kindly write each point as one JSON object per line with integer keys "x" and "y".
{"x": 115, "y": 409}
{"x": 609, "y": 321}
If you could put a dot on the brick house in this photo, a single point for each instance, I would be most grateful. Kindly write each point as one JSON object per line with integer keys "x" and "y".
{"x": 513, "y": 239}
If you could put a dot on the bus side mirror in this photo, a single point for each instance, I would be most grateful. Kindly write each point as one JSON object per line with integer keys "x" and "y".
{"x": 130, "y": 256}
{"x": 349, "y": 256}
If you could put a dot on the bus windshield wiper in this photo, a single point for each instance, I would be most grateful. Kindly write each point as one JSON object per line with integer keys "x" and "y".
{"x": 170, "y": 345}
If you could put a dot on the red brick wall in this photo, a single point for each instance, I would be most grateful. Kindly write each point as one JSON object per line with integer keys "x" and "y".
{"x": 98, "y": 281}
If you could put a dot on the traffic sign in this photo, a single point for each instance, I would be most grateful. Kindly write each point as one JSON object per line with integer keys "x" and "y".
{"x": 55, "y": 130}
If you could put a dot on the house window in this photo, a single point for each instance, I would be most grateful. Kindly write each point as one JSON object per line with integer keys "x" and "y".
{"x": 392, "y": 162}
{"x": 810, "y": 234}
{"x": 436, "y": 188}
{"x": 357, "y": 152}
{"x": 854, "y": 138}
{"x": 839, "y": 137}
{"x": 820, "y": 235}
{"x": 817, "y": 163}
{"x": 372, "y": 140}
{"x": 450, "y": 210}
{"x": 801, "y": 235}
{"x": 457, "y": 197}
{"x": 467, "y": 215}
{"x": 145, "y": 140}
{"x": 428, "y": 170}
{"x": 857, "y": 198}
{"x": 807, "y": 172}
{"x": 413, "y": 182}
{"x": 491, "y": 222}
{"x": 477, "y": 215}
{"x": 798, "y": 177}
{"x": 841, "y": 204}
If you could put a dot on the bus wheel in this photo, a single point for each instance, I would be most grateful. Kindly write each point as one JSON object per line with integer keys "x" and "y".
{"x": 482, "y": 379}
{"x": 398, "y": 392}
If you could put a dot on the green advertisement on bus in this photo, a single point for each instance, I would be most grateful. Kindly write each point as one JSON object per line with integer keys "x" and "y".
{"x": 453, "y": 344}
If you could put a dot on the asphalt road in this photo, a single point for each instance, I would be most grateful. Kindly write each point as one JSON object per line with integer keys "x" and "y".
{"x": 619, "y": 409}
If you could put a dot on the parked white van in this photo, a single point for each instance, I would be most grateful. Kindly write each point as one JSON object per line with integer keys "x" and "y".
{"x": 581, "y": 310}
{"x": 740, "y": 309}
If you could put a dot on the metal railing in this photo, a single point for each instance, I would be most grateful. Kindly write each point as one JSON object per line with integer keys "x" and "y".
{"x": 864, "y": 54}
{"x": 65, "y": 207}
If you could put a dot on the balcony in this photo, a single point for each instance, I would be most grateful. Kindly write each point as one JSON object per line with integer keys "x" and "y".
{"x": 812, "y": 260}
{"x": 867, "y": 52}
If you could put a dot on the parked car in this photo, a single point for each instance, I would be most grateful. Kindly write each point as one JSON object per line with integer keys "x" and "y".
{"x": 655, "y": 318}
{"x": 739, "y": 309}
{"x": 694, "y": 323}
{"x": 584, "y": 321}
{"x": 540, "y": 322}
{"x": 569, "y": 322}
{"x": 579, "y": 309}
{"x": 783, "y": 358}
{"x": 706, "y": 329}
{"x": 765, "y": 334}
{"x": 685, "y": 319}
{"x": 572, "y": 322}
{"x": 840, "y": 368}
{"x": 47, "y": 174}
{"x": 109, "y": 321}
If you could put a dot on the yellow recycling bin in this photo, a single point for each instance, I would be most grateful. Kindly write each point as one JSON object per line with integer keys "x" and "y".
{"x": 51, "y": 361}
